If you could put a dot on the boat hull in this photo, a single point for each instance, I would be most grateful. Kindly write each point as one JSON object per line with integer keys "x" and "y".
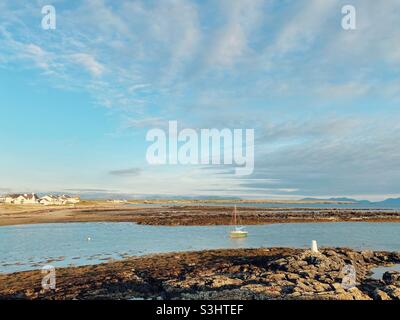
{"x": 238, "y": 234}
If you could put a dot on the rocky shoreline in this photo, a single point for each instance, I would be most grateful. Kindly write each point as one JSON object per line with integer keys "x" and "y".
{"x": 265, "y": 273}
{"x": 222, "y": 215}
{"x": 195, "y": 215}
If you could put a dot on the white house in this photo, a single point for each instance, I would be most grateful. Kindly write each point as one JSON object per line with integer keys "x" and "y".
{"x": 49, "y": 200}
{"x": 26, "y": 198}
{"x": 69, "y": 200}
{"x": 52, "y": 200}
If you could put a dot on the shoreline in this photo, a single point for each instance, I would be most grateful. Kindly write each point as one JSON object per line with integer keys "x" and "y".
{"x": 263, "y": 273}
{"x": 189, "y": 215}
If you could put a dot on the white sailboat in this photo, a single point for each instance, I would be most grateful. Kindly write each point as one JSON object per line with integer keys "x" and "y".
{"x": 238, "y": 231}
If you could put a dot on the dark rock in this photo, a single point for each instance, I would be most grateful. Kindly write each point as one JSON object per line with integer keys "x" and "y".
{"x": 391, "y": 277}
{"x": 313, "y": 260}
{"x": 380, "y": 295}
{"x": 394, "y": 293}
{"x": 395, "y": 257}
{"x": 368, "y": 255}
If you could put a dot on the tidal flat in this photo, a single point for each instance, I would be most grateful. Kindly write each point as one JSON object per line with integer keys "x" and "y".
{"x": 190, "y": 215}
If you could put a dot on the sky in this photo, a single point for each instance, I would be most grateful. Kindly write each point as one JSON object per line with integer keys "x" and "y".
{"x": 76, "y": 102}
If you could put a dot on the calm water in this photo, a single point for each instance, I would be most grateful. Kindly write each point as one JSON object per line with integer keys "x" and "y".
{"x": 32, "y": 246}
{"x": 377, "y": 273}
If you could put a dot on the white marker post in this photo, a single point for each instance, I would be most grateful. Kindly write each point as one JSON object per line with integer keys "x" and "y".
{"x": 314, "y": 246}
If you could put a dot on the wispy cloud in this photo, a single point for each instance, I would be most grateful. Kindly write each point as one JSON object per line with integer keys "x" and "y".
{"x": 152, "y": 122}
{"x": 126, "y": 172}
{"x": 231, "y": 41}
{"x": 89, "y": 63}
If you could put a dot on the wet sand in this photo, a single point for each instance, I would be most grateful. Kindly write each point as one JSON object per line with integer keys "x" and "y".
{"x": 187, "y": 215}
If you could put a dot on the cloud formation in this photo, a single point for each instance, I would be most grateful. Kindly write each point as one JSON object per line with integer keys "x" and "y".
{"x": 88, "y": 62}
{"x": 126, "y": 172}
{"x": 323, "y": 101}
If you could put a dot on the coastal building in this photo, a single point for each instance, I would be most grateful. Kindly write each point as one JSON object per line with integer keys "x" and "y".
{"x": 26, "y": 198}
{"x": 53, "y": 200}
{"x": 49, "y": 200}
{"x": 66, "y": 199}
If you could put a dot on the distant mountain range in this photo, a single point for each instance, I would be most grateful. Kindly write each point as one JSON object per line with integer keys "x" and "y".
{"x": 390, "y": 202}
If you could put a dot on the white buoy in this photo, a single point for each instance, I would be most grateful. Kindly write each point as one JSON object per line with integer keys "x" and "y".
{"x": 89, "y": 238}
{"x": 314, "y": 246}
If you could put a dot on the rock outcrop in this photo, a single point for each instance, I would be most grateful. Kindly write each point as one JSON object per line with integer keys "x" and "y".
{"x": 275, "y": 273}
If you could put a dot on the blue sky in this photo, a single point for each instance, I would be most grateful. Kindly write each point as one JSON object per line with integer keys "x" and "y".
{"x": 76, "y": 102}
